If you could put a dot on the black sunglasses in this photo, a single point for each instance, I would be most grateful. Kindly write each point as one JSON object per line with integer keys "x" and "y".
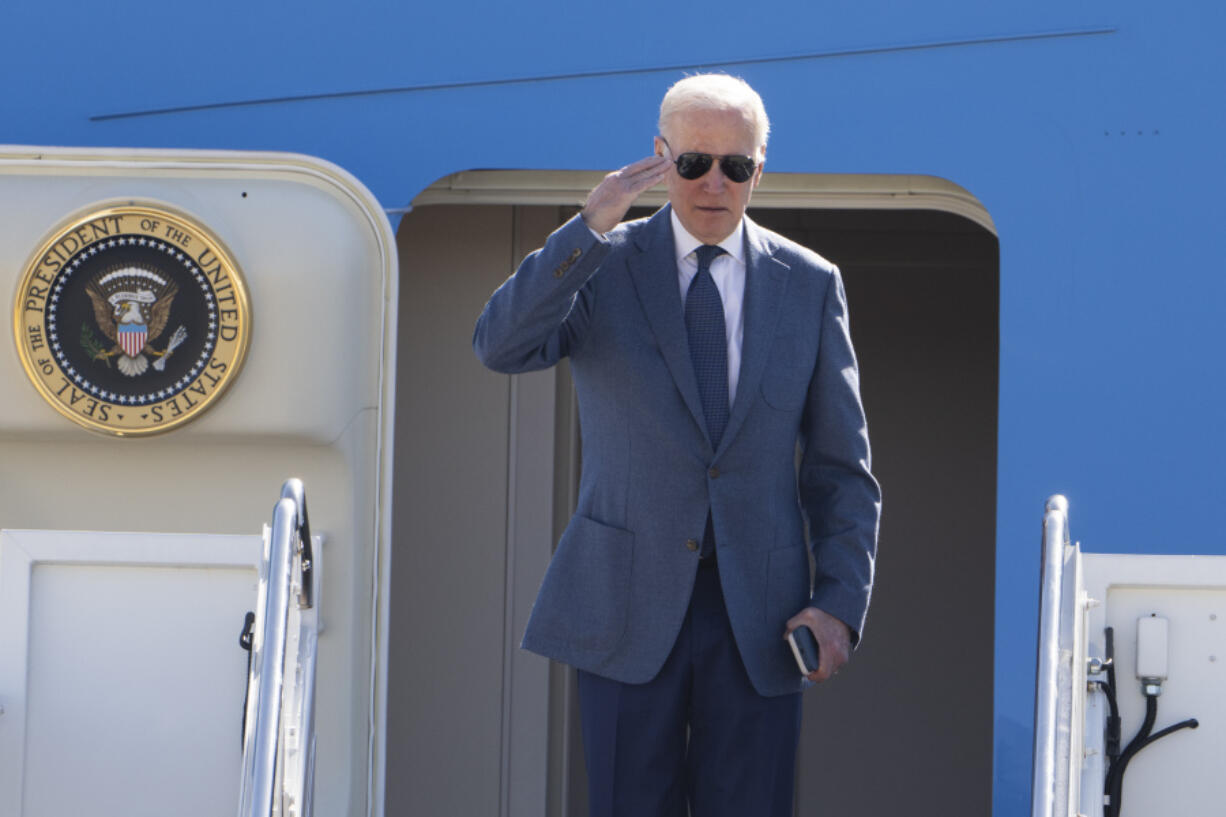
{"x": 695, "y": 165}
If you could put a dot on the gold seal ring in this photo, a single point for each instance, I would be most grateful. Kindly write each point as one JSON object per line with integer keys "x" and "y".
{"x": 132, "y": 319}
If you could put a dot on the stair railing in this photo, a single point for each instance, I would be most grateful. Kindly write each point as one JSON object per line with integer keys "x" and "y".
{"x": 279, "y": 741}
{"x": 1050, "y": 792}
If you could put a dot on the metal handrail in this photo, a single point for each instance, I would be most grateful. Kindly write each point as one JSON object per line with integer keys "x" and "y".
{"x": 1050, "y": 785}
{"x": 294, "y": 490}
{"x": 287, "y": 587}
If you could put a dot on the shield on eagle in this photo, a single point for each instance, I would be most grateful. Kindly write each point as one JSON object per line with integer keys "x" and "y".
{"x": 131, "y": 306}
{"x": 132, "y": 337}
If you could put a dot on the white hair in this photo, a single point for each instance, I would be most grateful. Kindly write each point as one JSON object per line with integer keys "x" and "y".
{"x": 720, "y": 92}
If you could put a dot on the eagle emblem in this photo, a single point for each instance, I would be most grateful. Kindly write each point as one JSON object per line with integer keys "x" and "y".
{"x": 132, "y": 307}
{"x": 132, "y": 319}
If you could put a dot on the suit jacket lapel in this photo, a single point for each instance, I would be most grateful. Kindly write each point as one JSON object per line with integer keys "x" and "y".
{"x": 765, "y": 282}
{"x": 654, "y": 272}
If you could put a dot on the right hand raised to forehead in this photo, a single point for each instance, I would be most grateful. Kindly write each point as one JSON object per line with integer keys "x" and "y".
{"x": 609, "y": 201}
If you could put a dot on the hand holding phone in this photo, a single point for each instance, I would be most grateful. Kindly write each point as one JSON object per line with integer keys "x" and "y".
{"x": 805, "y": 649}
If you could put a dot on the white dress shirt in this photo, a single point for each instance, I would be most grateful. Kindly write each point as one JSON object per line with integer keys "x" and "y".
{"x": 728, "y": 272}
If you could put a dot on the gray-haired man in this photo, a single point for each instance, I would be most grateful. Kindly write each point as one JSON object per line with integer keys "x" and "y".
{"x": 704, "y": 349}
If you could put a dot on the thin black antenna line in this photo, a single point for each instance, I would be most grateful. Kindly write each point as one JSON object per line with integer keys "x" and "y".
{"x": 493, "y": 83}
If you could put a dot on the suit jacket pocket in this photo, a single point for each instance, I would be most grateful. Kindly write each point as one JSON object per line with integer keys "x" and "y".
{"x": 787, "y": 584}
{"x": 785, "y": 381}
{"x": 583, "y": 601}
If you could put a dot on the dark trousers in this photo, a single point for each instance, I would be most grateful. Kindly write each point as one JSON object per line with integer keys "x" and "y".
{"x": 739, "y": 754}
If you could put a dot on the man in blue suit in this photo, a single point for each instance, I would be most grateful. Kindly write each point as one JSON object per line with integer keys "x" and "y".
{"x": 723, "y": 442}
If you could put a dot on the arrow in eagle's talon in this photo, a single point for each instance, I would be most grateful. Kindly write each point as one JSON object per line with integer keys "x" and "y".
{"x": 176, "y": 340}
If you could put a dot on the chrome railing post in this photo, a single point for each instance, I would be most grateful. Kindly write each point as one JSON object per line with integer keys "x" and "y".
{"x": 292, "y": 489}
{"x": 1049, "y": 789}
{"x": 278, "y": 747}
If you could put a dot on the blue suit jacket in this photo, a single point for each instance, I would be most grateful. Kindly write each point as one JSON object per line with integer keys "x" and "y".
{"x": 617, "y": 588}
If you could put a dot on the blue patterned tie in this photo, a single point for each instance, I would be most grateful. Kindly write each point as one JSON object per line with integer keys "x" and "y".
{"x": 704, "y": 321}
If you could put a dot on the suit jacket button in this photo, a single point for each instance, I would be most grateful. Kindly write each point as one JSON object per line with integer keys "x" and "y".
{"x": 713, "y": 473}
{"x": 692, "y": 544}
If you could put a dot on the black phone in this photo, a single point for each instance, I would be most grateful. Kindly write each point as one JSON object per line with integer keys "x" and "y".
{"x": 804, "y": 647}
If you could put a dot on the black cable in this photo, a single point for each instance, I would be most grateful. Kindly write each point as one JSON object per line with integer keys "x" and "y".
{"x": 1136, "y": 745}
{"x": 1110, "y": 693}
{"x": 1114, "y": 724}
{"x": 1113, "y": 785}
{"x": 1190, "y": 723}
{"x": 1113, "y": 720}
{"x": 245, "y": 639}
{"x": 1115, "y": 804}
{"x": 1115, "y": 777}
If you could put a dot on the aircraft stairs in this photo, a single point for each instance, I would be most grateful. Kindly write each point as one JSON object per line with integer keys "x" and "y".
{"x": 119, "y": 679}
{"x": 278, "y": 767}
{"x": 1131, "y": 660}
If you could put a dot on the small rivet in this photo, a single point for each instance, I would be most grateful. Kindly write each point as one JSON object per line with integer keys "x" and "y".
{"x": 1213, "y": 616}
{"x": 1212, "y": 658}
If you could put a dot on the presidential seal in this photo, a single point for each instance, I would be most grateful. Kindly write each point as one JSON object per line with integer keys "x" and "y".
{"x": 132, "y": 320}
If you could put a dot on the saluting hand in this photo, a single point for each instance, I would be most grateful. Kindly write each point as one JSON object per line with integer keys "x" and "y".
{"x": 833, "y": 640}
{"x": 609, "y": 201}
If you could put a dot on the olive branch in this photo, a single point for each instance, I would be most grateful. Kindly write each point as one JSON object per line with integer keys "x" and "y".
{"x": 92, "y": 347}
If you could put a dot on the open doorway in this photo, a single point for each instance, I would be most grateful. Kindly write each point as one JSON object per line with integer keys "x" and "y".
{"x": 486, "y": 466}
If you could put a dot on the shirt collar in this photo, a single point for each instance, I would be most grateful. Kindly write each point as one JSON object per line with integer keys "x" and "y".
{"x": 684, "y": 243}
